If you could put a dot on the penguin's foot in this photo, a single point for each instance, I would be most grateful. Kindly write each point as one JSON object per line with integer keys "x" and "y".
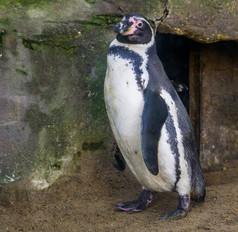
{"x": 143, "y": 201}
{"x": 180, "y": 212}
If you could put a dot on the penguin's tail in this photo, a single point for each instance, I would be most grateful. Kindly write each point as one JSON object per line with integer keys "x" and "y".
{"x": 199, "y": 190}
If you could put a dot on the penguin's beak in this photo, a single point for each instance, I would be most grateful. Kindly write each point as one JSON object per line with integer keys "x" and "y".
{"x": 123, "y": 28}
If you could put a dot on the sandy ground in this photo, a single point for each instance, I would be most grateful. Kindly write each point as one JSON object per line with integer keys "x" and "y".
{"x": 81, "y": 203}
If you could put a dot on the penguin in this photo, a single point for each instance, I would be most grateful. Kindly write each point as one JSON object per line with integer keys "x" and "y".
{"x": 148, "y": 120}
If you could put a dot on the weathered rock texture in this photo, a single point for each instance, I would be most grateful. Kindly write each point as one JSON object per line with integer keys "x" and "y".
{"x": 219, "y": 102}
{"x": 52, "y": 67}
{"x": 203, "y": 21}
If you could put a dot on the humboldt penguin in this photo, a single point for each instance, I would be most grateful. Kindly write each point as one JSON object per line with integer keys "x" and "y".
{"x": 149, "y": 121}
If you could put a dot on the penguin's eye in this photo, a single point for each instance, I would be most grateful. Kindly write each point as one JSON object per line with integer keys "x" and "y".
{"x": 140, "y": 24}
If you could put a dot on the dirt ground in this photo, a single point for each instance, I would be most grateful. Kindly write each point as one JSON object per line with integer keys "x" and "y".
{"x": 79, "y": 202}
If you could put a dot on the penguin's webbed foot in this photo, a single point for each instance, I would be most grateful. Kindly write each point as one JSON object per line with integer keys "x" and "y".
{"x": 143, "y": 201}
{"x": 180, "y": 212}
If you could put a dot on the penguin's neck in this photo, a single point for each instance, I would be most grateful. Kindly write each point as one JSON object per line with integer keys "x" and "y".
{"x": 138, "y": 48}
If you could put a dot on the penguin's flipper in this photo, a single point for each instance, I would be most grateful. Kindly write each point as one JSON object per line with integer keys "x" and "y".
{"x": 154, "y": 116}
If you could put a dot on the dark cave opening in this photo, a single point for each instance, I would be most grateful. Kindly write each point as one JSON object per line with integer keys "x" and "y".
{"x": 173, "y": 51}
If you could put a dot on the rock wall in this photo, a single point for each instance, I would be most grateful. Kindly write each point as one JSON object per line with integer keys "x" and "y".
{"x": 201, "y": 20}
{"x": 52, "y": 107}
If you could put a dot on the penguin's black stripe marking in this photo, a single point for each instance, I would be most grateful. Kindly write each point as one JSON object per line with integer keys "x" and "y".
{"x": 133, "y": 57}
{"x": 172, "y": 140}
{"x": 153, "y": 118}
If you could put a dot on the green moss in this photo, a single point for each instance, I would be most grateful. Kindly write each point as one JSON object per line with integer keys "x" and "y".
{"x": 21, "y": 71}
{"x": 2, "y": 37}
{"x": 100, "y": 20}
{"x": 58, "y": 38}
{"x": 4, "y": 21}
{"x": 105, "y": 19}
{"x": 93, "y": 146}
{"x": 90, "y": 1}
{"x": 45, "y": 42}
{"x": 21, "y": 3}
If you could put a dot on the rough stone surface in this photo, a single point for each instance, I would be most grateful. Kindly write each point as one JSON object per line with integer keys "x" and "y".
{"x": 219, "y": 103}
{"x": 201, "y": 20}
{"x": 52, "y": 108}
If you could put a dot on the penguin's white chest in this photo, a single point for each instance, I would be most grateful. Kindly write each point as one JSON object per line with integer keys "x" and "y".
{"x": 124, "y": 102}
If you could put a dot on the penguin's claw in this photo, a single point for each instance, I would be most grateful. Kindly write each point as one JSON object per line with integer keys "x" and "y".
{"x": 177, "y": 214}
{"x": 144, "y": 201}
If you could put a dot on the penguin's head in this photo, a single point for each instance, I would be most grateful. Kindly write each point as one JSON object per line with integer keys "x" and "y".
{"x": 134, "y": 29}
